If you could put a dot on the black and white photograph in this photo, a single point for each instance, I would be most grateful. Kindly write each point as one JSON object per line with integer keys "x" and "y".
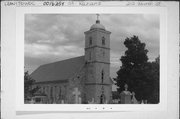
{"x": 92, "y": 58}
{"x": 89, "y": 59}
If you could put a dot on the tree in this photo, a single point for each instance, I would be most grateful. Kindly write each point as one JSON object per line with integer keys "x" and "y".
{"x": 132, "y": 71}
{"x": 152, "y": 75}
{"x": 29, "y": 90}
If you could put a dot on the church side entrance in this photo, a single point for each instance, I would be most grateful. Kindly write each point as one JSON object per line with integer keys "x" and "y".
{"x": 102, "y": 99}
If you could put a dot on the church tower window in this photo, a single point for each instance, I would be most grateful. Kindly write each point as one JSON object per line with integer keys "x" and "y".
{"x": 102, "y": 76}
{"x": 90, "y": 40}
{"x": 103, "y": 41}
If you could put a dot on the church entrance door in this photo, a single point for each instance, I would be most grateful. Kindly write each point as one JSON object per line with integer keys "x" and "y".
{"x": 102, "y": 99}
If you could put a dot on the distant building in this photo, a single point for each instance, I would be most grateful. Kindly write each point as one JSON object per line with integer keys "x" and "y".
{"x": 81, "y": 79}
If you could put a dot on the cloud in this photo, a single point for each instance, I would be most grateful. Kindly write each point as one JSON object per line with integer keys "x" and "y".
{"x": 55, "y": 37}
{"x": 44, "y": 51}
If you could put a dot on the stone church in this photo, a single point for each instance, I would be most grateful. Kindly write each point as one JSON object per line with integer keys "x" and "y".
{"x": 85, "y": 79}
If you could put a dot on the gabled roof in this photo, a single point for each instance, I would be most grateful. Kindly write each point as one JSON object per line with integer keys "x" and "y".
{"x": 61, "y": 70}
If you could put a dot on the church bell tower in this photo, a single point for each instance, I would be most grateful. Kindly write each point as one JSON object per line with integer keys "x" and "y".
{"x": 98, "y": 85}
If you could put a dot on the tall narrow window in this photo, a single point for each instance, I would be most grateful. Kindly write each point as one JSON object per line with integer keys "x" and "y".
{"x": 103, "y": 41}
{"x": 90, "y": 40}
{"x": 60, "y": 93}
{"x": 47, "y": 90}
{"x": 44, "y": 89}
{"x": 64, "y": 93}
{"x": 55, "y": 91}
{"x": 51, "y": 92}
{"x": 102, "y": 76}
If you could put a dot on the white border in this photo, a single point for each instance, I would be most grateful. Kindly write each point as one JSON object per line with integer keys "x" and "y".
{"x": 89, "y": 107}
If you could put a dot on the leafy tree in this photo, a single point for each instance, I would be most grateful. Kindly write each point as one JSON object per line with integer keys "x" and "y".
{"x": 29, "y": 90}
{"x": 132, "y": 71}
{"x": 152, "y": 75}
{"x": 115, "y": 95}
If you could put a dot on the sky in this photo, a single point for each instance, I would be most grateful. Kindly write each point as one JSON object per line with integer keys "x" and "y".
{"x": 55, "y": 37}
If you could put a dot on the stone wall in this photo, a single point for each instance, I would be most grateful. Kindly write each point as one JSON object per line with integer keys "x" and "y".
{"x": 56, "y": 92}
{"x": 77, "y": 81}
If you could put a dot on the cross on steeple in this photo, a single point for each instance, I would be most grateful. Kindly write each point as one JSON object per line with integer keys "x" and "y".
{"x": 97, "y": 21}
{"x": 98, "y": 16}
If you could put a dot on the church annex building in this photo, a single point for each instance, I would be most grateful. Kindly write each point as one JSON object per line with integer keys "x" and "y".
{"x": 80, "y": 80}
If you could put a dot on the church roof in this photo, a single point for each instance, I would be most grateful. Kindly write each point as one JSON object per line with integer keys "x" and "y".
{"x": 97, "y": 25}
{"x": 61, "y": 70}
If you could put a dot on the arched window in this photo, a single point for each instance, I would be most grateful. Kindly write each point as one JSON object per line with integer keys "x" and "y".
{"x": 55, "y": 90}
{"x": 47, "y": 90}
{"x": 43, "y": 89}
{"x": 60, "y": 93}
{"x": 90, "y": 40}
{"x": 102, "y": 76}
{"x": 51, "y": 92}
{"x": 103, "y": 41}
